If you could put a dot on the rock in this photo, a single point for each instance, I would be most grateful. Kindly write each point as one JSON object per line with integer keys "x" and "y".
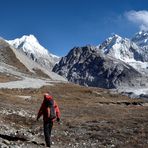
{"x": 6, "y": 142}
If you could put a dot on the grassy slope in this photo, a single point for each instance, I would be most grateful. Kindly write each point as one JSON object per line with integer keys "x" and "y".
{"x": 91, "y": 117}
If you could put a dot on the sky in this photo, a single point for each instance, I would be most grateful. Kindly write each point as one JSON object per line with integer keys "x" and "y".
{"x": 60, "y": 25}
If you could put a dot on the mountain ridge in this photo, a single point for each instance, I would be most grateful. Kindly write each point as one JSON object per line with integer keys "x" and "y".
{"x": 89, "y": 68}
{"x": 24, "y": 72}
{"x": 122, "y": 64}
{"x": 32, "y": 48}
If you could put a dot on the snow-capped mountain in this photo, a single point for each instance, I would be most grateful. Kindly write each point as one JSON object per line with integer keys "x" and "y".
{"x": 19, "y": 71}
{"x": 141, "y": 38}
{"x": 32, "y": 48}
{"x": 125, "y": 50}
{"x": 116, "y": 63}
{"x": 88, "y": 67}
{"x": 121, "y": 48}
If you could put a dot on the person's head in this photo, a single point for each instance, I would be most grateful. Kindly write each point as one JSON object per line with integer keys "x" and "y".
{"x": 47, "y": 96}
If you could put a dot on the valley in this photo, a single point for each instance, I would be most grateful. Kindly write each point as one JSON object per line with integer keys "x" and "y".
{"x": 103, "y": 109}
{"x": 90, "y": 117}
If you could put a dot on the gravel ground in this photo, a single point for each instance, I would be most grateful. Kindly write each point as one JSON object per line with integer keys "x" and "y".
{"x": 91, "y": 118}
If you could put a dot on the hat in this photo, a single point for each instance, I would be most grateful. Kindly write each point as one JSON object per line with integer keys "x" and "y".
{"x": 47, "y": 96}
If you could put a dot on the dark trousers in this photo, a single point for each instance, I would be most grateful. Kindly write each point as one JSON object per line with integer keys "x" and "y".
{"x": 47, "y": 132}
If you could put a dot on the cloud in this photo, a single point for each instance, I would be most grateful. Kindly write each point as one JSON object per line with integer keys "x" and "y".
{"x": 138, "y": 17}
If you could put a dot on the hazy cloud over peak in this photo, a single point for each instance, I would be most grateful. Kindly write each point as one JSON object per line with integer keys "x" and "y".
{"x": 138, "y": 17}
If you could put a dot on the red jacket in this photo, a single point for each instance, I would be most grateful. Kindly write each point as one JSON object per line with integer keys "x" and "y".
{"x": 45, "y": 111}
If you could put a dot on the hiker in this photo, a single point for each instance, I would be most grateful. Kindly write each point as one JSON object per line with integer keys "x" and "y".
{"x": 50, "y": 111}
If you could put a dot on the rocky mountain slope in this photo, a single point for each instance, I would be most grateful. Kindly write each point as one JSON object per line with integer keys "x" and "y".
{"x": 32, "y": 48}
{"x": 7, "y": 56}
{"x": 26, "y": 73}
{"x": 88, "y": 67}
{"x": 116, "y": 63}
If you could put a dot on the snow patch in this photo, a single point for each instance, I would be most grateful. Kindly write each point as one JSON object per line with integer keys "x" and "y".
{"x": 25, "y": 83}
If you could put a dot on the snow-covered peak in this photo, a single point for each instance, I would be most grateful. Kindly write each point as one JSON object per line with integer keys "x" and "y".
{"x": 29, "y": 38}
{"x": 120, "y": 48}
{"x": 33, "y": 49}
{"x": 116, "y": 37}
{"x": 111, "y": 41}
{"x": 141, "y": 38}
{"x": 29, "y": 44}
